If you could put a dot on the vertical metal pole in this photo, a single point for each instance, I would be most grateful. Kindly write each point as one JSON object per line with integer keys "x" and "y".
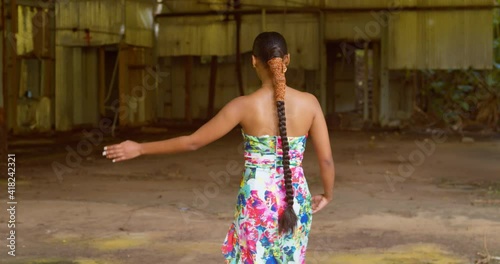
{"x": 188, "y": 82}
{"x": 3, "y": 104}
{"x": 211, "y": 89}
{"x": 366, "y": 111}
{"x": 13, "y": 81}
{"x": 376, "y": 83}
{"x": 322, "y": 61}
{"x": 102, "y": 81}
{"x": 384, "y": 77}
{"x": 239, "y": 73}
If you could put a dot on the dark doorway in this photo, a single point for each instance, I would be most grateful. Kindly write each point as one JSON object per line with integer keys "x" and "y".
{"x": 350, "y": 83}
{"x": 111, "y": 81}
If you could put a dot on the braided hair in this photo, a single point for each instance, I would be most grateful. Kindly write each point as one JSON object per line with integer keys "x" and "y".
{"x": 271, "y": 48}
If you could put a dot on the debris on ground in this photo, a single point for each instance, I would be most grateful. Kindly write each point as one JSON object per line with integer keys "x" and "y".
{"x": 467, "y": 140}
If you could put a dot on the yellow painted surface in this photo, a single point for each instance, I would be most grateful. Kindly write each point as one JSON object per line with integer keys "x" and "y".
{"x": 184, "y": 248}
{"x": 116, "y": 243}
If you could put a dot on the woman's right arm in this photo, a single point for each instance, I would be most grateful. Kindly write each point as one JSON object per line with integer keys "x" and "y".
{"x": 321, "y": 142}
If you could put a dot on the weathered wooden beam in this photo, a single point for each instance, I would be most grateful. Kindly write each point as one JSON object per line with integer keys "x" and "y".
{"x": 188, "y": 82}
{"x": 123, "y": 85}
{"x": 14, "y": 75}
{"x": 211, "y": 88}
{"x": 102, "y": 81}
{"x": 3, "y": 104}
{"x": 239, "y": 74}
{"x": 366, "y": 105}
{"x": 376, "y": 83}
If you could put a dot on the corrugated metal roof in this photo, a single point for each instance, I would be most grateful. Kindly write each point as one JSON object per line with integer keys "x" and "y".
{"x": 442, "y": 40}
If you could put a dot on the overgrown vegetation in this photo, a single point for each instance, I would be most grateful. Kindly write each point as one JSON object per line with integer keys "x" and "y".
{"x": 464, "y": 99}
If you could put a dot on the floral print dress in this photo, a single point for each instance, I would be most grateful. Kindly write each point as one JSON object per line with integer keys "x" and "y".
{"x": 253, "y": 236}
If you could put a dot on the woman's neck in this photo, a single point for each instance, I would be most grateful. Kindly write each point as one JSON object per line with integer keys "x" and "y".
{"x": 268, "y": 83}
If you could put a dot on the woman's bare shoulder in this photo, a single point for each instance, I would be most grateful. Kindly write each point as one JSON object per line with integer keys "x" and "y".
{"x": 301, "y": 96}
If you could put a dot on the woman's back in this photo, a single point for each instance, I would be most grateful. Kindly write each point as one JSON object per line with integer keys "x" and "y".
{"x": 274, "y": 206}
{"x": 260, "y": 112}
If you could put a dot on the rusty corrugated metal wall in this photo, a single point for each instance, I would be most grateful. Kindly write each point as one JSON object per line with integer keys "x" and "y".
{"x": 442, "y": 40}
{"x": 106, "y": 21}
{"x": 300, "y": 30}
{"x": 82, "y": 26}
{"x": 197, "y": 6}
{"x": 74, "y": 16}
{"x": 181, "y": 36}
{"x": 351, "y": 26}
{"x": 76, "y": 98}
{"x": 207, "y": 36}
{"x": 416, "y": 39}
{"x": 139, "y": 23}
{"x": 226, "y": 88}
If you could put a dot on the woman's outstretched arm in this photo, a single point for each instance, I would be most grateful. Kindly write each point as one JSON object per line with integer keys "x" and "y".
{"x": 227, "y": 118}
{"x": 321, "y": 142}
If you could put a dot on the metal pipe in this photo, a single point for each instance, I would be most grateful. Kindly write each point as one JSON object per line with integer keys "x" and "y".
{"x": 326, "y": 10}
{"x": 86, "y": 30}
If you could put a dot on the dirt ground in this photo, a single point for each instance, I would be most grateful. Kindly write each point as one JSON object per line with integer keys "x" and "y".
{"x": 442, "y": 209}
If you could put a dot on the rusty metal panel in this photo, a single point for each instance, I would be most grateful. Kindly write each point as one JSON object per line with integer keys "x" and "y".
{"x": 364, "y": 3}
{"x": 63, "y": 89}
{"x": 25, "y": 33}
{"x": 42, "y": 33}
{"x": 99, "y": 22}
{"x": 193, "y": 6}
{"x": 205, "y": 36}
{"x": 139, "y": 23}
{"x": 404, "y": 42}
{"x": 442, "y": 40}
{"x": 354, "y": 26}
{"x": 196, "y": 36}
{"x": 455, "y": 2}
{"x": 395, "y": 4}
{"x": 221, "y": 5}
{"x": 74, "y": 17}
{"x": 301, "y": 32}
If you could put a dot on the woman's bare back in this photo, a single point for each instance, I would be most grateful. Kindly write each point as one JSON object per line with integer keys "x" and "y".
{"x": 260, "y": 116}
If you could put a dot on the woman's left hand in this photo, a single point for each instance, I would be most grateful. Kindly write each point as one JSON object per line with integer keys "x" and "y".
{"x": 319, "y": 202}
{"x": 123, "y": 151}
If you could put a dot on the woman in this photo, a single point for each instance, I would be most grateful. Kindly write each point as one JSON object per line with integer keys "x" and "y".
{"x": 274, "y": 207}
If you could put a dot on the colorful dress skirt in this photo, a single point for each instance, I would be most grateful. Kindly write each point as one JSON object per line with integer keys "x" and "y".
{"x": 253, "y": 236}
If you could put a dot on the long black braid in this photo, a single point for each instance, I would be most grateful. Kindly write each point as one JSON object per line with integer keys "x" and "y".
{"x": 271, "y": 47}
